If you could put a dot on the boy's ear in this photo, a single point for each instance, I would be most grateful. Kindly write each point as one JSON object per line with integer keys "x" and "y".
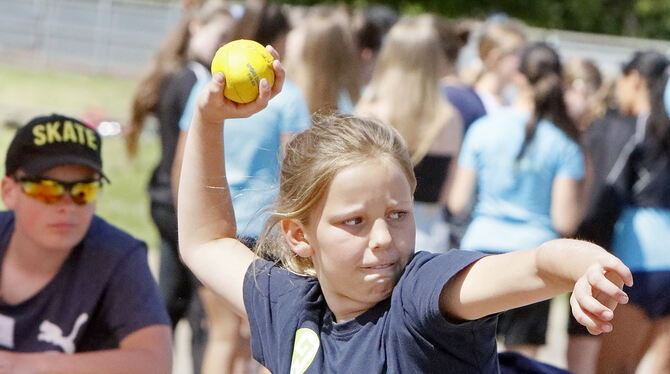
{"x": 8, "y": 192}
{"x": 294, "y": 232}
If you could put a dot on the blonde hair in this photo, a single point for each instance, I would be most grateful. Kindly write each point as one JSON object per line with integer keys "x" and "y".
{"x": 502, "y": 38}
{"x": 325, "y": 61}
{"x": 584, "y": 71}
{"x": 404, "y": 90}
{"x": 312, "y": 160}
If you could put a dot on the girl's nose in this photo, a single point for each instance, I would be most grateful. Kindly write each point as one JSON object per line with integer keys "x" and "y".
{"x": 380, "y": 236}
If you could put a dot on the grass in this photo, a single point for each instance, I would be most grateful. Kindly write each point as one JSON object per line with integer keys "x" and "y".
{"x": 26, "y": 93}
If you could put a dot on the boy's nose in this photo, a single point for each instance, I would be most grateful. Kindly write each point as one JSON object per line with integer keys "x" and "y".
{"x": 66, "y": 200}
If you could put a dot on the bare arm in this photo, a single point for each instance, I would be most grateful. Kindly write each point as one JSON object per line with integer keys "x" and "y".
{"x": 454, "y": 134}
{"x": 207, "y": 231}
{"x": 462, "y": 190}
{"x": 568, "y": 199}
{"x": 176, "y": 164}
{"x": 146, "y": 351}
{"x": 501, "y": 282}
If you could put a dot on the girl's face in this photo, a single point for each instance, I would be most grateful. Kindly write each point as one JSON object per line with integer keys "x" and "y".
{"x": 362, "y": 234}
{"x": 630, "y": 91}
{"x": 507, "y": 66}
{"x": 577, "y": 98}
{"x": 58, "y": 226}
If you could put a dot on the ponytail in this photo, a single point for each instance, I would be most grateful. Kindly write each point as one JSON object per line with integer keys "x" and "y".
{"x": 658, "y": 126}
{"x": 170, "y": 56}
{"x": 540, "y": 64}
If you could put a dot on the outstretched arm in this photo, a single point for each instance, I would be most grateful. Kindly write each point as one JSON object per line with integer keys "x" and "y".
{"x": 207, "y": 231}
{"x": 501, "y": 282}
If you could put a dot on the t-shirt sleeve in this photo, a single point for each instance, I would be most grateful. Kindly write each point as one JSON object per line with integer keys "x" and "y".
{"x": 421, "y": 291}
{"x": 571, "y": 161}
{"x": 131, "y": 300}
{"x": 267, "y": 285}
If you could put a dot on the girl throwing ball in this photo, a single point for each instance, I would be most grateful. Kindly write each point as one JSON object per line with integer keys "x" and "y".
{"x": 347, "y": 293}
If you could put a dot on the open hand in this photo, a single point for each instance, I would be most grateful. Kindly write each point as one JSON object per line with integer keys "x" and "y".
{"x": 597, "y": 293}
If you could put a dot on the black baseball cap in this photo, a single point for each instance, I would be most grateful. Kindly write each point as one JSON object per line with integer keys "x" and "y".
{"x": 54, "y": 140}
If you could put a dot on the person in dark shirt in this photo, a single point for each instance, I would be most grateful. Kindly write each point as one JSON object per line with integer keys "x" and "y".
{"x": 347, "y": 293}
{"x": 642, "y": 232}
{"x": 610, "y": 143}
{"x": 163, "y": 93}
{"x": 76, "y": 293}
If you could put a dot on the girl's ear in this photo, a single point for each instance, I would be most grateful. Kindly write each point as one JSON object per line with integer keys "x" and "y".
{"x": 294, "y": 232}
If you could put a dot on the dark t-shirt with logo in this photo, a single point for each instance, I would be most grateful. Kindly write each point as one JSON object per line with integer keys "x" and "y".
{"x": 293, "y": 331}
{"x": 103, "y": 292}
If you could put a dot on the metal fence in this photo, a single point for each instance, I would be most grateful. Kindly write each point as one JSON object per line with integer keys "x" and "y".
{"x": 120, "y": 36}
{"x": 103, "y": 36}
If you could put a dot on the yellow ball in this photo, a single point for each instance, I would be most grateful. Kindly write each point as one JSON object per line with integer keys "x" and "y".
{"x": 244, "y": 63}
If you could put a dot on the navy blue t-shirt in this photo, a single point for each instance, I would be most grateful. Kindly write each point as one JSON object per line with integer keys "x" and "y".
{"x": 103, "y": 292}
{"x": 293, "y": 331}
{"x": 467, "y": 102}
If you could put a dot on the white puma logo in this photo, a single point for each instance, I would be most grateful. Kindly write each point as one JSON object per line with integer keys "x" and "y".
{"x": 51, "y": 333}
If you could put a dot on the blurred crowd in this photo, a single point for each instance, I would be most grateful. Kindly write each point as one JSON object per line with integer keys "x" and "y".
{"x": 510, "y": 150}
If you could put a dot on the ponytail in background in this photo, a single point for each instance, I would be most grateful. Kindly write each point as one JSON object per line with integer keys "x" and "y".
{"x": 541, "y": 66}
{"x": 658, "y": 126}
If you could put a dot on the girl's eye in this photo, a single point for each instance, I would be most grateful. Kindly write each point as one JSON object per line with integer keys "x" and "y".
{"x": 397, "y": 215}
{"x": 353, "y": 221}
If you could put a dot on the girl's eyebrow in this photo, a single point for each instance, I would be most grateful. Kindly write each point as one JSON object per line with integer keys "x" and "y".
{"x": 346, "y": 212}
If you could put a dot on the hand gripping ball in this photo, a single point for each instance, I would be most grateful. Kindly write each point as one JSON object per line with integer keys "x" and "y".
{"x": 243, "y": 63}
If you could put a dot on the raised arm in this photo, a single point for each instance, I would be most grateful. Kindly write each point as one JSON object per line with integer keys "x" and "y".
{"x": 501, "y": 282}
{"x": 207, "y": 231}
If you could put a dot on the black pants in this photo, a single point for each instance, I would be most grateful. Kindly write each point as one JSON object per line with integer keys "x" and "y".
{"x": 178, "y": 287}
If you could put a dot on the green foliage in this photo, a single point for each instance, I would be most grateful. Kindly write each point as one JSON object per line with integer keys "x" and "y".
{"x": 640, "y": 18}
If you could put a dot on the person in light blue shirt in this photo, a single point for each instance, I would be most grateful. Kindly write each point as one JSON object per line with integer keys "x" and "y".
{"x": 514, "y": 199}
{"x": 253, "y": 148}
{"x": 525, "y": 167}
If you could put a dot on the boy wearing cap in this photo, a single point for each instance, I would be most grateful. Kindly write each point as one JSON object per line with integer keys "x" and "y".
{"x": 70, "y": 282}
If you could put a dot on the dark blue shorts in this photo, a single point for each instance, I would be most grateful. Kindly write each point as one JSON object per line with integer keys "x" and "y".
{"x": 651, "y": 292}
{"x": 515, "y": 363}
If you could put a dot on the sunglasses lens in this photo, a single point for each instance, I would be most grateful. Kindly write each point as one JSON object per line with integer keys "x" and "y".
{"x": 47, "y": 191}
{"x": 51, "y": 191}
{"x": 84, "y": 193}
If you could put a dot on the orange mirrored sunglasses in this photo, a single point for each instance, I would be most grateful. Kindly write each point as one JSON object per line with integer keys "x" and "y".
{"x": 50, "y": 191}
